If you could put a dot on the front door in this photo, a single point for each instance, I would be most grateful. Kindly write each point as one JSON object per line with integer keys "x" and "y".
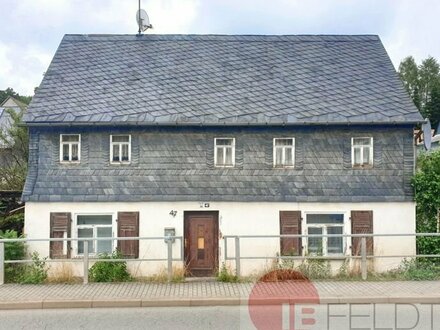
{"x": 201, "y": 243}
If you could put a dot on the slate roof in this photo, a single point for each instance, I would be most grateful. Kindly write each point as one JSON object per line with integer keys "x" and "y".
{"x": 221, "y": 79}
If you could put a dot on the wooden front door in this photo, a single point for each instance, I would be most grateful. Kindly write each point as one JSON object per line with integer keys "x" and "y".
{"x": 201, "y": 243}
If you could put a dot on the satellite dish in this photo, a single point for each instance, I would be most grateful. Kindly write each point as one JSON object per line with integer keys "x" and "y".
{"x": 426, "y": 128}
{"x": 143, "y": 20}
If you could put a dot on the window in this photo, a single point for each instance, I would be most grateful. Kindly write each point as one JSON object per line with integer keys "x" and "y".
{"x": 70, "y": 148}
{"x": 284, "y": 152}
{"x": 120, "y": 149}
{"x": 325, "y": 224}
{"x": 362, "y": 152}
{"x": 224, "y": 152}
{"x": 95, "y": 226}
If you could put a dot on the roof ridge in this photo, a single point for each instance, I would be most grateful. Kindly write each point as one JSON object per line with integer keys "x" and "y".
{"x": 225, "y": 37}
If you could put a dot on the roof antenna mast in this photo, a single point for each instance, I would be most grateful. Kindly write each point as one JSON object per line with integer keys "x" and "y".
{"x": 142, "y": 20}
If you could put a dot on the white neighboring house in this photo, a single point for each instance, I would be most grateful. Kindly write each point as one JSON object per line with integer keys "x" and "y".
{"x": 214, "y": 135}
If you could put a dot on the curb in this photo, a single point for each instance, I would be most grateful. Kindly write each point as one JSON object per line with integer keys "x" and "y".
{"x": 200, "y": 301}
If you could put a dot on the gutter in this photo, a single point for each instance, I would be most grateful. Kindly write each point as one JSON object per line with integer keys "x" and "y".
{"x": 137, "y": 123}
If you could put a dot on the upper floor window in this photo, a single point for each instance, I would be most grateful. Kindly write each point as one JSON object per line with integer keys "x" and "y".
{"x": 362, "y": 151}
{"x": 283, "y": 152}
{"x": 224, "y": 152}
{"x": 70, "y": 148}
{"x": 120, "y": 149}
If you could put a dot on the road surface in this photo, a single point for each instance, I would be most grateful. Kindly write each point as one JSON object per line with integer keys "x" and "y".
{"x": 385, "y": 317}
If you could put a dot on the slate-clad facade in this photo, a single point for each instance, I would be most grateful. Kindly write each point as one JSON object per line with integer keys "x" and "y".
{"x": 172, "y": 164}
{"x": 167, "y": 98}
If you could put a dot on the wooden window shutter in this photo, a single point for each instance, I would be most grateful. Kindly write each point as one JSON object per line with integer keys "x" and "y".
{"x": 361, "y": 223}
{"x": 128, "y": 226}
{"x": 290, "y": 224}
{"x": 60, "y": 227}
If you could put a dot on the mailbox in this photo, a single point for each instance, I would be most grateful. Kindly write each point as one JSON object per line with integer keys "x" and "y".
{"x": 168, "y": 232}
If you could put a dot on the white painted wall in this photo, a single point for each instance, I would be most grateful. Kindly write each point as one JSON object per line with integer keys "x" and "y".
{"x": 234, "y": 219}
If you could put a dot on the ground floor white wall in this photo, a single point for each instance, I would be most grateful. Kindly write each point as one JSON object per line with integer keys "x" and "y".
{"x": 234, "y": 219}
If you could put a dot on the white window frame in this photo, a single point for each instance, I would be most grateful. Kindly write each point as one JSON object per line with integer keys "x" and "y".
{"x": 346, "y": 242}
{"x": 283, "y": 153}
{"x": 70, "y": 143}
{"x": 75, "y": 228}
{"x": 371, "y": 147}
{"x": 120, "y": 149}
{"x": 224, "y": 151}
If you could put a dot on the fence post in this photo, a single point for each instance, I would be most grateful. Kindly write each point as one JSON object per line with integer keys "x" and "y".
{"x": 170, "y": 259}
{"x": 2, "y": 263}
{"x": 237, "y": 256}
{"x": 86, "y": 262}
{"x": 364, "y": 258}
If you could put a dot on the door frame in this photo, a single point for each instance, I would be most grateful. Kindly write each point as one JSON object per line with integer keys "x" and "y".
{"x": 186, "y": 218}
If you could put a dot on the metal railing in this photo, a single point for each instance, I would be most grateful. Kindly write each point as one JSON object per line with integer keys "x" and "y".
{"x": 363, "y": 256}
{"x": 85, "y": 257}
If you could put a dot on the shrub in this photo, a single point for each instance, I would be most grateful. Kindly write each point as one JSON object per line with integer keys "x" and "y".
{"x": 226, "y": 275}
{"x": 109, "y": 271}
{"x": 13, "y": 251}
{"x": 34, "y": 273}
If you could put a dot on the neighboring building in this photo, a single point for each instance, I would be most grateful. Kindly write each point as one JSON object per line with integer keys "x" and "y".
{"x": 5, "y": 117}
{"x": 214, "y": 135}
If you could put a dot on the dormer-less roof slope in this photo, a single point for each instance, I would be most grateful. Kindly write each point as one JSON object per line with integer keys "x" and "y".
{"x": 221, "y": 79}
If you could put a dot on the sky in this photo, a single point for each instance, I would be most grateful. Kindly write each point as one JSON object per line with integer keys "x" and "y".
{"x": 30, "y": 30}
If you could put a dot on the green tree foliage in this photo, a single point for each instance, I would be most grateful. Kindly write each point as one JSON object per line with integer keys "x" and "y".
{"x": 423, "y": 85}
{"x": 426, "y": 183}
{"x": 4, "y": 94}
{"x": 15, "y": 156}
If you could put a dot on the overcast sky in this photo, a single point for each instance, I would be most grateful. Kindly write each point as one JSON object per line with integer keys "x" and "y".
{"x": 30, "y": 30}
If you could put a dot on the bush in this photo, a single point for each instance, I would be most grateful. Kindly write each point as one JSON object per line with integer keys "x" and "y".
{"x": 34, "y": 273}
{"x": 226, "y": 275}
{"x": 109, "y": 271}
{"x": 13, "y": 251}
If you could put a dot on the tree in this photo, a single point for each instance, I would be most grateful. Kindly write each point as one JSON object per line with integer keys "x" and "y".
{"x": 409, "y": 73}
{"x": 423, "y": 85}
{"x": 14, "y": 156}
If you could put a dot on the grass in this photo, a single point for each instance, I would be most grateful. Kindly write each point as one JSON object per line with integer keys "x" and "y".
{"x": 178, "y": 276}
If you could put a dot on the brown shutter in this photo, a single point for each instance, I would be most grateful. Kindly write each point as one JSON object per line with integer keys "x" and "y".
{"x": 361, "y": 223}
{"x": 128, "y": 226}
{"x": 290, "y": 224}
{"x": 60, "y": 223}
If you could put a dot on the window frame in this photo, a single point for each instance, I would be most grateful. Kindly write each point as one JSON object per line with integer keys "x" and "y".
{"x": 120, "y": 162}
{"x": 76, "y": 227}
{"x": 70, "y": 143}
{"x": 224, "y": 152}
{"x": 346, "y": 243}
{"x": 283, "y": 153}
{"x": 371, "y": 147}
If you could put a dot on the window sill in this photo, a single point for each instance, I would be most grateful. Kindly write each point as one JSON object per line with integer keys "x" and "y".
{"x": 120, "y": 163}
{"x": 224, "y": 166}
{"x": 362, "y": 167}
{"x": 284, "y": 167}
{"x": 66, "y": 162}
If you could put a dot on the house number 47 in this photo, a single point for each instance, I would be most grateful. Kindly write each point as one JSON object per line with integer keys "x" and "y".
{"x": 173, "y": 213}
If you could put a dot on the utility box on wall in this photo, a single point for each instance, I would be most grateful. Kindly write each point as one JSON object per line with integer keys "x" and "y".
{"x": 169, "y": 232}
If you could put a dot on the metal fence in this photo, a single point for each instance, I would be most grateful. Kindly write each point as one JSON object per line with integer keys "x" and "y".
{"x": 85, "y": 258}
{"x": 237, "y": 257}
{"x": 363, "y": 256}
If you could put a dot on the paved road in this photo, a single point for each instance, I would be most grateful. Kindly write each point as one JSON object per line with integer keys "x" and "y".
{"x": 233, "y": 317}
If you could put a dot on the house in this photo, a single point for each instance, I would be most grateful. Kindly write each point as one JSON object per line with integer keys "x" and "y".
{"x": 10, "y": 104}
{"x": 212, "y": 135}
